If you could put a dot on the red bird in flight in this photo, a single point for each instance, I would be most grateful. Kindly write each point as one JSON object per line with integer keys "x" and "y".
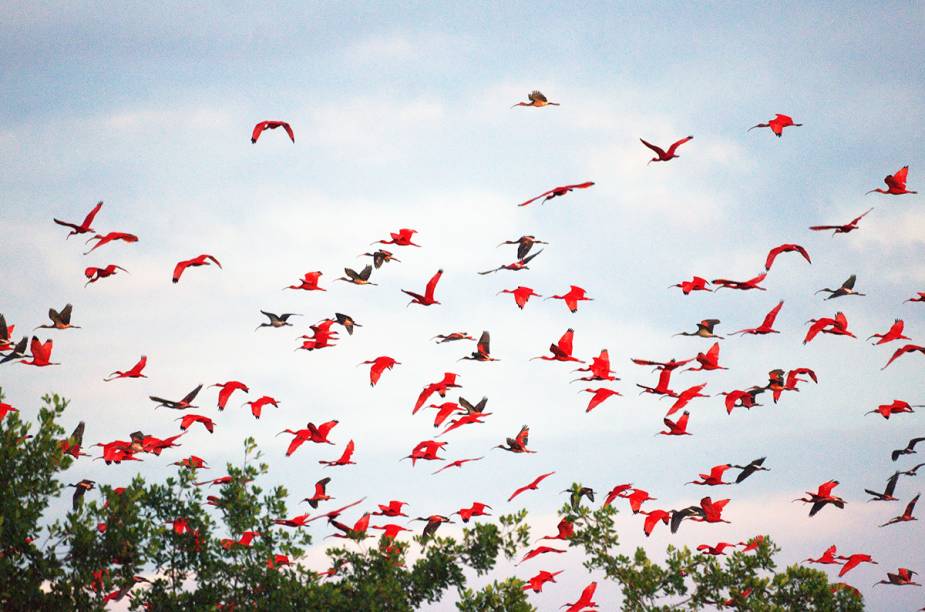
{"x": 767, "y": 325}
{"x": 532, "y": 486}
{"x": 133, "y": 372}
{"x": 841, "y": 229}
{"x": 201, "y": 260}
{"x": 379, "y": 365}
{"x": 663, "y": 155}
{"x": 561, "y": 350}
{"x": 536, "y": 99}
{"x": 696, "y": 284}
{"x": 896, "y": 183}
{"x": 785, "y": 248}
{"x": 521, "y": 295}
{"x": 84, "y": 227}
{"x": 556, "y": 192}
{"x": 227, "y": 389}
{"x": 94, "y": 274}
{"x": 777, "y": 124}
{"x": 428, "y": 298}
{"x": 309, "y": 282}
{"x": 575, "y": 294}
{"x": 110, "y": 237}
{"x": 271, "y": 125}
{"x": 400, "y": 238}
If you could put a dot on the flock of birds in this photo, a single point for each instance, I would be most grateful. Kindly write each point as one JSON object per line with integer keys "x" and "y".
{"x": 454, "y": 415}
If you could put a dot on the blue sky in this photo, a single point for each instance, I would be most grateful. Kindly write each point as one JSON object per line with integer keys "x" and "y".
{"x": 401, "y": 118}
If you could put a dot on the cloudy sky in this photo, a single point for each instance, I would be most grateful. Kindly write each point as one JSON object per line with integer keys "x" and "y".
{"x": 402, "y": 119}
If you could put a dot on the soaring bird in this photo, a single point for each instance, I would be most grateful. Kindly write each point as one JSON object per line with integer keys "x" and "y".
{"x": 777, "y": 124}
{"x": 847, "y": 288}
{"x": 524, "y": 244}
{"x": 852, "y": 561}
{"x": 906, "y": 516}
{"x": 346, "y": 457}
{"x": 571, "y": 298}
{"x": 521, "y": 295}
{"x": 84, "y": 227}
{"x": 785, "y": 248}
{"x": 896, "y": 183}
{"x": 536, "y": 583}
{"x": 695, "y": 284}
{"x": 452, "y": 337}
{"x": 433, "y": 523}
{"x": 271, "y": 125}
{"x": 902, "y": 577}
{"x": 60, "y": 320}
{"x": 482, "y": 349}
{"x": 747, "y": 470}
{"x": 847, "y": 228}
{"x": 557, "y": 192}
{"x": 94, "y": 274}
{"x": 80, "y": 489}
{"x": 887, "y": 494}
{"x": 903, "y": 350}
{"x": 110, "y": 237}
{"x": 321, "y": 493}
{"x": 183, "y": 404}
{"x": 599, "y": 369}
{"x": 677, "y": 428}
{"x": 894, "y": 333}
{"x": 584, "y": 601}
{"x": 428, "y": 298}
{"x": 276, "y": 320}
{"x": 662, "y": 155}
{"x": 346, "y": 321}
{"x": 828, "y": 557}
{"x": 822, "y": 497}
{"x": 561, "y": 350}
{"x": 747, "y": 285}
{"x": 379, "y": 365}
{"x": 380, "y": 257}
{"x": 704, "y": 329}
{"x": 714, "y": 477}
{"x": 895, "y": 407}
{"x": 357, "y": 278}
{"x": 708, "y": 511}
{"x": 402, "y": 237}
{"x": 909, "y": 450}
{"x": 200, "y": 260}
{"x": 767, "y": 325}
{"x": 227, "y": 389}
{"x": 518, "y": 444}
{"x": 536, "y": 99}
{"x": 517, "y": 266}
{"x": 531, "y": 486}
{"x": 41, "y": 353}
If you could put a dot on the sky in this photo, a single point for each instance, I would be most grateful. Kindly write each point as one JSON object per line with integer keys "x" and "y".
{"x": 402, "y": 119}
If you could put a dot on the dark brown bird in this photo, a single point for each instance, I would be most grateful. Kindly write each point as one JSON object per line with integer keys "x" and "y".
{"x": 60, "y": 320}
{"x": 357, "y": 278}
{"x": 847, "y": 288}
{"x": 524, "y": 244}
{"x": 277, "y": 320}
{"x": 704, "y": 329}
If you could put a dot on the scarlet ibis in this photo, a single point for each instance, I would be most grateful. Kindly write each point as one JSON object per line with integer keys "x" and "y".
{"x": 257, "y": 405}
{"x": 714, "y": 477}
{"x": 433, "y": 523}
{"x": 757, "y": 465}
{"x": 402, "y": 237}
{"x": 227, "y": 389}
{"x": 84, "y": 227}
{"x": 134, "y": 372}
{"x": 94, "y": 274}
{"x": 600, "y": 395}
{"x": 183, "y": 404}
{"x": 321, "y": 493}
{"x": 708, "y": 511}
{"x": 532, "y": 486}
{"x": 637, "y": 498}
{"x": 476, "y": 509}
{"x": 110, "y": 237}
{"x": 653, "y": 518}
{"x": 517, "y": 266}
{"x": 41, "y": 353}
{"x": 189, "y": 419}
{"x": 767, "y": 325}
{"x": 902, "y": 577}
{"x": 539, "y": 550}
{"x": 828, "y": 557}
{"x": 619, "y": 490}
{"x": 744, "y": 398}
{"x": 457, "y": 464}
{"x": 904, "y": 350}
{"x": 852, "y": 561}
{"x": 841, "y": 229}
{"x": 467, "y": 419}
{"x": 312, "y": 433}
{"x": 6, "y": 333}
{"x": 696, "y": 284}
{"x": 785, "y": 248}
{"x": 847, "y": 288}
{"x": 380, "y": 257}
{"x": 704, "y": 329}
{"x": 906, "y": 516}
{"x": 518, "y": 444}
{"x": 441, "y": 386}
{"x": 777, "y": 124}
{"x": 390, "y": 530}
{"x": 752, "y": 544}
{"x": 717, "y": 550}
{"x": 561, "y": 350}
{"x": 192, "y": 462}
{"x": 482, "y": 350}
{"x": 896, "y": 183}
{"x": 564, "y": 530}
{"x": 747, "y": 285}
{"x": 677, "y": 428}
{"x": 452, "y": 337}
{"x": 428, "y": 298}
{"x": 709, "y": 360}
{"x": 822, "y": 497}
{"x": 664, "y": 379}
{"x": 584, "y": 601}
{"x": 909, "y": 450}
{"x": 524, "y": 244}
{"x": 599, "y": 369}
{"x": 59, "y": 320}
{"x": 393, "y": 508}
{"x": 557, "y": 192}
{"x": 426, "y": 451}
{"x": 200, "y": 260}
{"x": 919, "y": 297}
{"x": 574, "y": 295}
{"x": 80, "y": 489}
{"x": 887, "y": 494}
{"x": 684, "y": 397}
{"x": 308, "y": 282}
{"x": 357, "y": 532}
{"x": 536, "y": 99}
{"x": 894, "y": 333}
{"x": 661, "y": 154}
{"x": 521, "y": 295}
{"x": 379, "y": 365}
{"x": 344, "y": 459}
{"x": 71, "y": 445}
{"x": 536, "y": 583}
{"x": 346, "y": 321}
{"x": 277, "y": 321}
{"x": 837, "y": 326}
{"x": 271, "y": 125}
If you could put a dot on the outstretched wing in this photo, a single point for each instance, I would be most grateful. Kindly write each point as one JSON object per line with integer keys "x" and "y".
{"x": 658, "y": 150}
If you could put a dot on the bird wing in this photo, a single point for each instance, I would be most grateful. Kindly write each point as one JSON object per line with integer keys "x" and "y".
{"x": 772, "y": 315}
{"x": 88, "y": 220}
{"x": 542, "y": 195}
{"x": 483, "y": 346}
{"x": 536, "y": 96}
{"x": 289, "y": 131}
{"x": 432, "y": 285}
{"x": 849, "y": 284}
{"x": 179, "y": 269}
{"x": 191, "y": 395}
{"x": 365, "y": 273}
{"x": 65, "y": 314}
{"x": 658, "y": 150}
{"x": 258, "y": 129}
{"x": 674, "y": 146}
{"x": 565, "y": 343}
